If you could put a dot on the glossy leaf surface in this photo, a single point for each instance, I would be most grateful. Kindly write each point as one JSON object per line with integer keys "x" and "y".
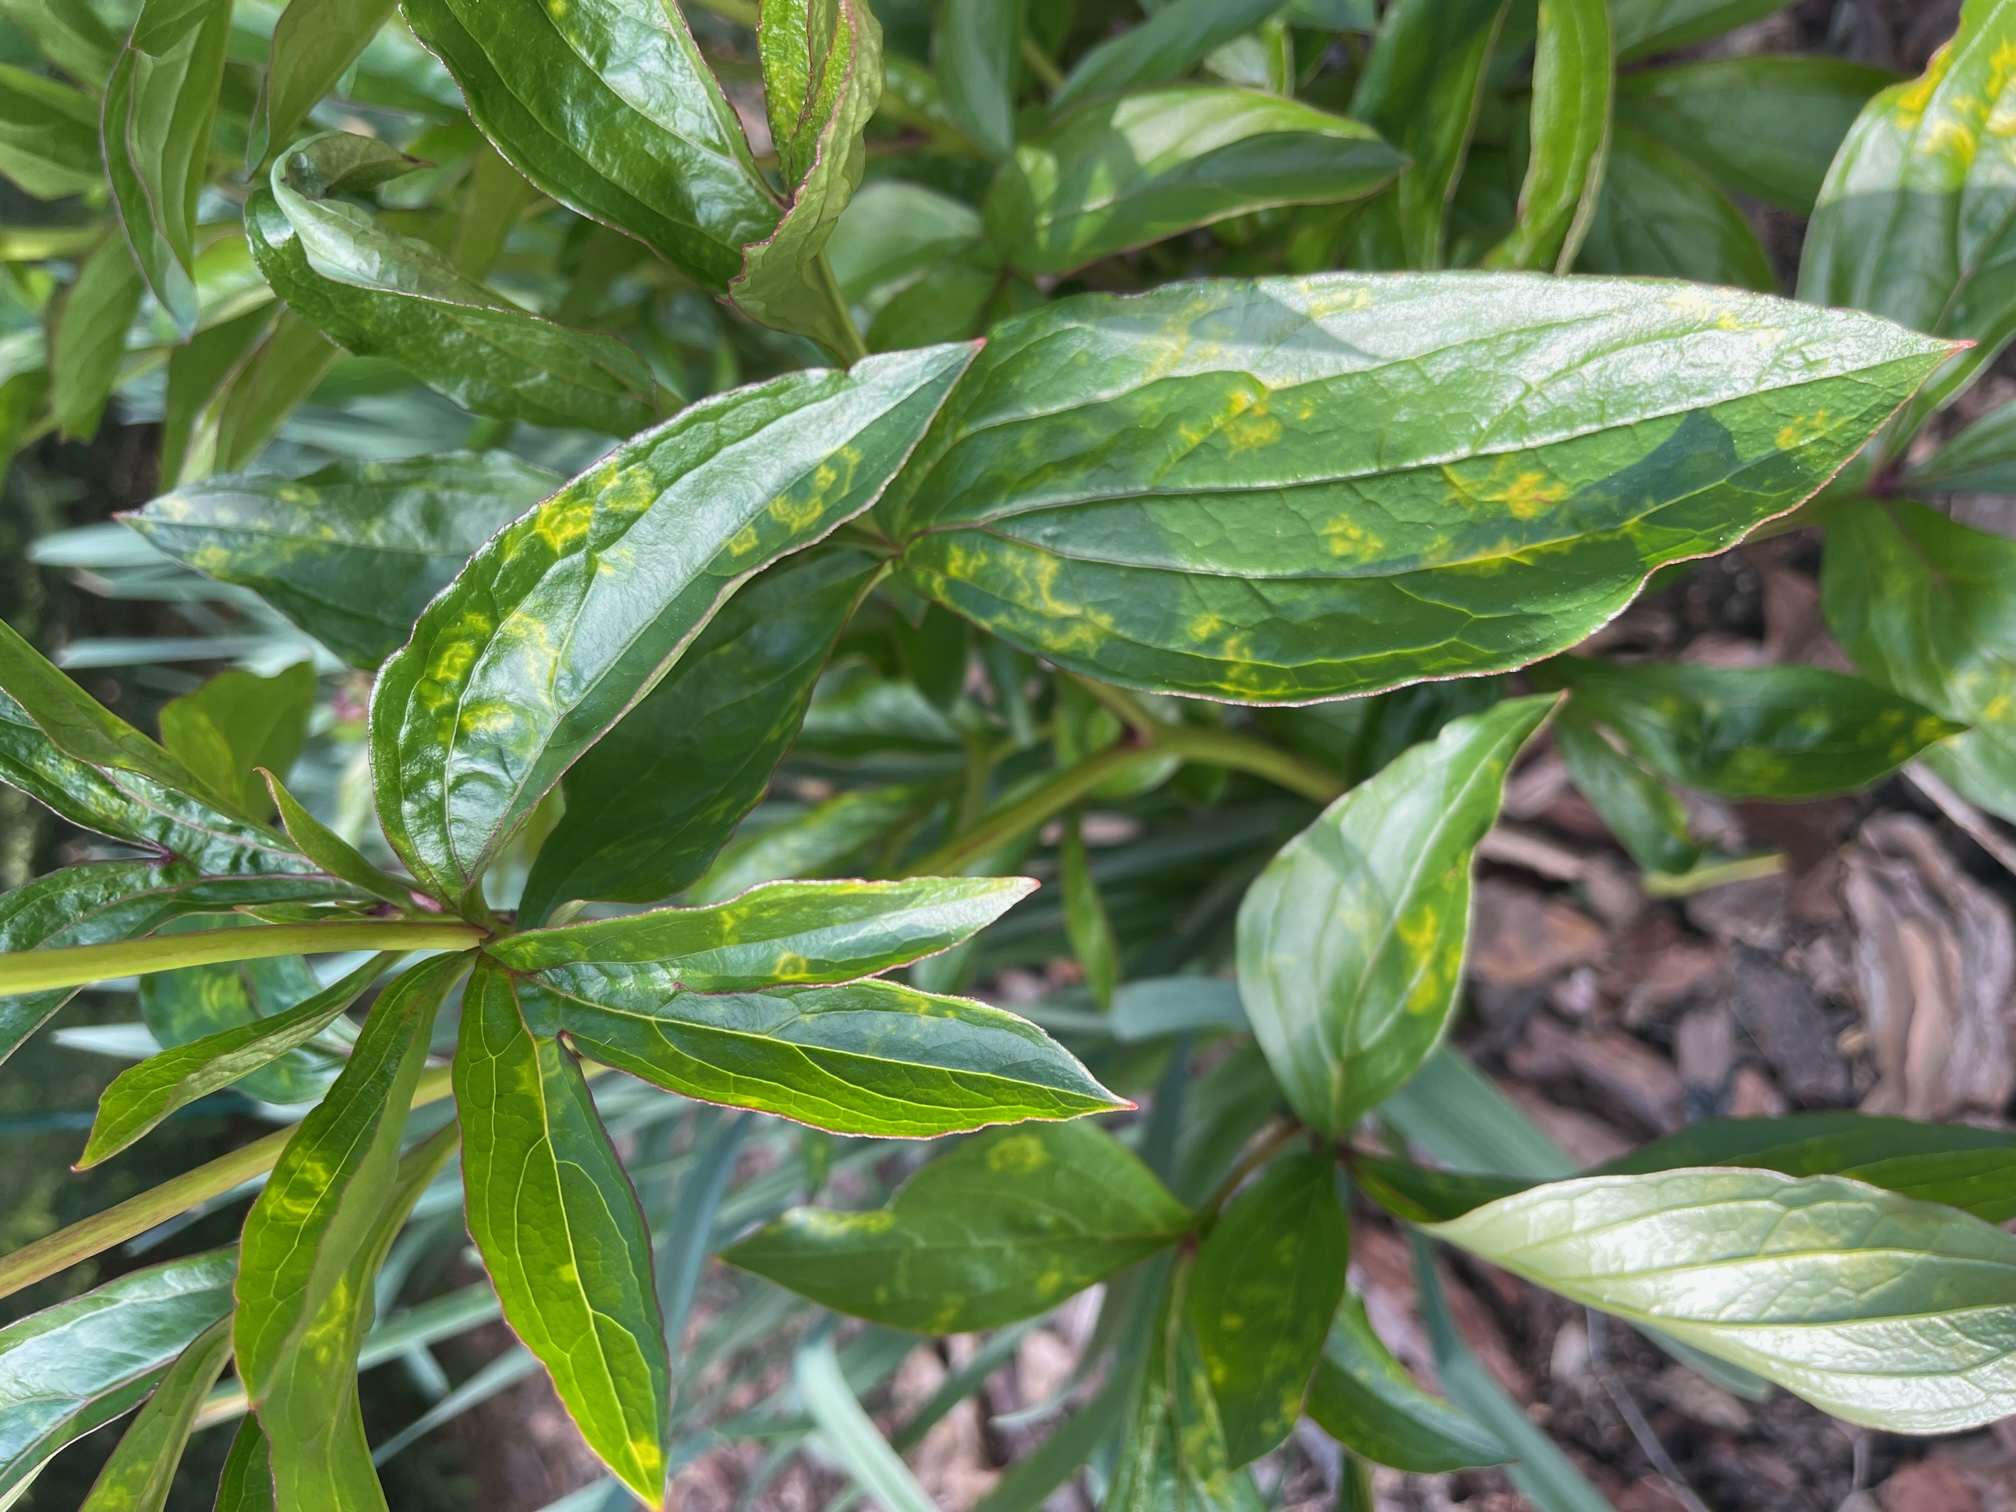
{"x": 377, "y": 293}
{"x": 137, "y": 1476}
{"x": 786, "y": 932}
{"x": 1351, "y": 941}
{"x": 1421, "y": 90}
{"x": 609, "y": 108}
{"x": 1765, "y": 126}
{"x": 568, "y": 617}
{"x": 141, "y": 1096}
{"x": 314, "y": 42}
{"x": 560, "y": 1231}
{"x": 1915, "y": 218}
{"x": 1365, "y": 1399}
{"x": 1927, "y": 606}
{"x": 48, "y": 135}
{"x": 1879, "y": 1309}
{"x": 1659, "y": 216}
{"x": 864, "y": 1058}
{"x": 1173, "y": 40}
{"x": 351, "y": 553}
{"x": 650, "y": 805}
{"x": 1208, "y": 504}
{"x": 1753, "y": 732}
{"x": 75, "y": 1366}
{"x": 1120, "y": 174}
{"x": 1004, "y": 1226}
{"x": 246, "y": 1484}
{"x": 1266, "y": 1283}
{"x": 1572, "y": 87}
{"x": 159, "y": 104}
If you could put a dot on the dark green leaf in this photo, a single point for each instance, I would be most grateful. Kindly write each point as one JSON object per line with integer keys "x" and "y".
{"x": 785, "y": 280}
{"x": 1924, "y": 606}
{"x": 237, "y": 723}
{"x": 1420, "y": 90}
{"x": 1752, "y": 732}
{"x": 1005, "y": 1226}
{"x": 1765, "y": 126}
{"x": 1266, "y": 1283}
{"x": 1962, "y": 1167}
{"x": 353, "y": 552}
{"x": 70, "y": 34}
{"x": 567, "y": 618}
{"x": 1120, "y": 174}
{"x": 609, "y": 108}
{"x": 378, "y": 293}
{"x": 1882, "y": 1310}
{"x": 1173, "y": 40}
{"x": 1661, "y": 217}
{"x": 1644, "y": 27}
{"x": 247, "y": 1482}
{"x": 1086, "y": 923}
{"x": 1917, "y": 218}
{"x": 137, "y": 1476}
{"x": 75, "y": 1366}
{"x": 1351, "y": 941}
{"x": 1980, "y": 459}
{"x": 318, "y": 1210}
{"x": 48, "y": 135}
{"x": 330, "y": 851}
{"x": 314, "y": 42}
{"x": 1251, "y": 490}
{"x": 1173, "y": 1453}
{"x": 141, "y": 1096}
{"x": 1421, "y": 1195}
{"x": 561, "y": 1232}
{"x": 198, "y": 1002}
{"x": 1572, "y": 86}
{"x": 651, "y": 804}
{"x": 974, "y": 47}
{"x": 90, "y": 336}
{"x": 816, "y": 843}
{"x": 1642, "y": 811}
{"x": 1363, "y": 1397}
{"x": 159, "y": 104}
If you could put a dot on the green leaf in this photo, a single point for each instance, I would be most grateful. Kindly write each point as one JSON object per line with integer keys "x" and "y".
{"x": 1004, "y": 1226}
{"x": 314, "y": 44}
{"x": 70, "y": 34}
{"x": 974, "y": 47}
{"x": 78, "y": 1365}
{"x": 1365, "y": 1399}
{"x": 1962, "y": 1167}
{"x": 1120, "y": 174}
{"x": 377, "y": 293}
{"x": 1765, "y": 126}
{"x": 1421, "y": 90}
{"x": 320, "y": 1459}
{"x": 159, "y": 103}
{"x": 1977, "y": 460}
{"x": 609, "y": 108}
{"x": 137, "y": 1476}
{"x": 1642, "y": 811}
{"x": 785, "y": 280}
{"x": 1422, "y": 1195}
{"x": 1644, "y": 27}
{"x": 317, "y": 1212}
{"x": 1752, "y": 732}
{"x": 351, "y": 553}
{"x": 141, "y": 1096}
{"x": 247, "y": 1482}
{"x": 1885, "y": 1311}
{"x": 48, "y": 135}
{"x": 848, "y": 1433}
{"x": 1173, "y": 40}
{"x": 1351, "y": 941}
{"x": 89, "y": 338}
{"x": 279, "y": 373}
{"x": 199, "y": 372}
{"x": 1915, "y": 219}
{"x": 330, "y": 851}
{"x": 1173, "y": 1453}
{"x": 237, "y": 723}
{"x": 1927, "y": 607}
{"x": 816, "y": 843}
{"x": 1260, "y": 1299}
{"x": 1251, "y": 490}
{"x": 652, "y": 803}
{"x": 561, "y": 1233}
{"x": 1573, "y": 81}
{"x": 1661, "y": 217}
{"x": 1086, "y": 922}
{"x": 567, "y": 618}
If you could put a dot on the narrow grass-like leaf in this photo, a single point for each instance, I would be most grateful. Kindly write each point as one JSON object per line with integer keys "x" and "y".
{"x": 851, "y": 1435}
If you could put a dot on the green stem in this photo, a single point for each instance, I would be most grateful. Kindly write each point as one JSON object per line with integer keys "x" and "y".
{"x": 133, "y": 1217}
{"x": 1048, "y": 801}
{"x": 1258, "y": 1154}
{"x": 1041, "y": 65}
{"x": 1226, "y": 748}
{"x": 1712, "y": 874}
{"x": 856, "y": 348}
{"x": 77, "y": 965}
